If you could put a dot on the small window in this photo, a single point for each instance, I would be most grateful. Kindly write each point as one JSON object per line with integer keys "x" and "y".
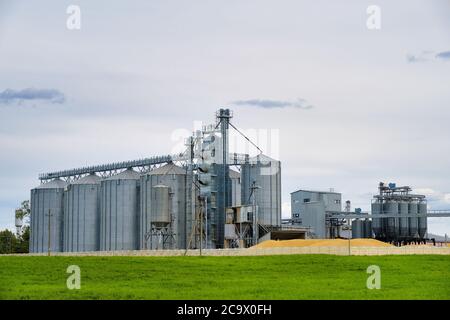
{"x": 306, "y": 200}
{"x": 337, "y": 201}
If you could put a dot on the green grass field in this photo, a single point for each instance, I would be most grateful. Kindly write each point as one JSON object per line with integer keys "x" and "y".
{"x": 263, "y": 277}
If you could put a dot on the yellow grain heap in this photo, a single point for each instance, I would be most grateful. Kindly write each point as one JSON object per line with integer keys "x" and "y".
{"x": 322, "y": 243}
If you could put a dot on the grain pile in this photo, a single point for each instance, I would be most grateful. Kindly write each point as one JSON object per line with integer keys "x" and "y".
{"x": 322, "y": 243}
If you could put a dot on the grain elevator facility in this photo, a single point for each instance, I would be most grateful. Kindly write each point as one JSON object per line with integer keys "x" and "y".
{"x": 180, "y": 201}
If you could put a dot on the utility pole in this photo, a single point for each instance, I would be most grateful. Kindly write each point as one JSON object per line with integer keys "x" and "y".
{"x": 255, "y": 214}
{"x": 349, "y": 246}
{"x": 201, "y": 230}
{"x": 206, "y": 222}
{"x": 49, "y": 231}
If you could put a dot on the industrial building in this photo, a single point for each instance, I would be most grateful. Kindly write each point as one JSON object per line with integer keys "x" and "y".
{"x": 309, "y": 210}
{"x": 397, "y": 216}
{"x": 407, "y": 214}
{"x": 189, "y": 200}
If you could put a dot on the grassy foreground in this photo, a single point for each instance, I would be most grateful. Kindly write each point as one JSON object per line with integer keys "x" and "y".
{"x": 263, "y": 277}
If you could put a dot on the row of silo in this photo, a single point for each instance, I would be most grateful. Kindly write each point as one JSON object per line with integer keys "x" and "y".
{"x": 264, "y": 173}
{"x": 402, "y": 227}
{"x": 361, "y": 228}
{"x": 91, "y": 214}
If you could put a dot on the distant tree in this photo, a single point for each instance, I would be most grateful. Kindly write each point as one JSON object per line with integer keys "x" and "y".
{"x": 24, "y": 211}
{"x": 8, "y": 242}
{"x": 23, "y": 242}
{"x": 12, "y": 243}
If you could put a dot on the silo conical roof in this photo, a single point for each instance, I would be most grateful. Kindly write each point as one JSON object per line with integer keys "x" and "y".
{"x": 128, "y": 174}
{"x": 90, "y": 179}
{"x": 54, "y": 184}
{"x": 169, "y": 168}
{"x": 262, "y": 158}
{"x": 234, "y": 174}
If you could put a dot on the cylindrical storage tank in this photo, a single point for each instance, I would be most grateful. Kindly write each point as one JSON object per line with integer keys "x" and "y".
{"x": 392, "y": 226}
{"x": 82, "y": 215}
{"x": 357, "y": 229}
{"x": 368, "y": 229}
{"x": 377, "y": 223}
{"x": 422, "y": 220}
{"x": 175, "y": 179}
{"x": 46, "y": 224}
{"x": 160, "y": 208}
{"x": 235, "y": 178}
{"x": 266, "y": 173}
{"x": 413, "y": 221}
{"x": 119, "y": 212}
{"x": 403, "y": 209}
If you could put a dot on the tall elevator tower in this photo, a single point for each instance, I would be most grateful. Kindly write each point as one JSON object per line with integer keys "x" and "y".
{"x": 223, "y": 182}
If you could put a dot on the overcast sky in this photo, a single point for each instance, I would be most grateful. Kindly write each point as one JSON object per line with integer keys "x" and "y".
{"x": 351, "y": 106}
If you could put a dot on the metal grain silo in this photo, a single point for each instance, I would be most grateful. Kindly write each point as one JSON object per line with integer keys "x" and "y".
{"x": 357, "y": 229}
{"x": 119, "y": 212}
{"x": 377, "y": 225}
{"x": 413, "y": 221}
{"x": 392, "y": 226}
{"x": 160, "y": 214}
{"x": 422, "y": 220}
{"x": 265, "y": 172}
{"x": 82, "y": 215}
{"x": 174, "y": 179}
{"x": 403, "y": 209}
{"x": 235, "y": 178}
{"x": 367, "y": 228}
{"x": 47, "y": 203}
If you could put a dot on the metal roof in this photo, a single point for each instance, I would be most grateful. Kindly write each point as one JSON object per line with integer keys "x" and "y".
{"x": 234, "y": 174}
{"x": 126, "y": 175}
{"x": 316, "y": 191}
{"x": 261, "y": 158}
{"x": 54, "y": 184}
{"x": 169, "y": 168}
{"x": 90, "y": 179}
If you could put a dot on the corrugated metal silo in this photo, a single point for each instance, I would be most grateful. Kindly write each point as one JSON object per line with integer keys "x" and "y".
{"x": 422, "y": 220}
{"x": 47, "y": 203}
{"x": 266, "y": 173}
{"x": 235, "y": 188}
{"x": 403, "y": 209}
{"x": 367, "y": 228}
{"x": 392, "y": 226}
{"x": 174, "y": 177}
{"x": 119, "y": 212}
{"x": 82, "y": 215}
{"x": 160, "y": 209}
{"x": 377, "y": 223}
{"x": 413, "y": 222}
{"x": 357, "y": 229}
